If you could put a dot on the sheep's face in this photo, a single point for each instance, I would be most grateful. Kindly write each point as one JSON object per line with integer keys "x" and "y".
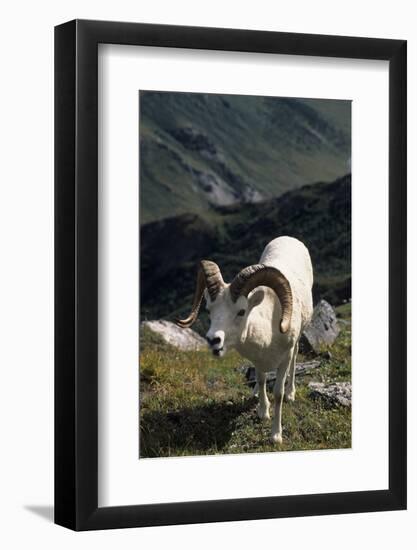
{"x": 228, "y": 319}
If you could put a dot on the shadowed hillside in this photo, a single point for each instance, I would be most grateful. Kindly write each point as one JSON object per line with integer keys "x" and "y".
{"x": 234, "y": 236}
{"x": 201, "y": 151}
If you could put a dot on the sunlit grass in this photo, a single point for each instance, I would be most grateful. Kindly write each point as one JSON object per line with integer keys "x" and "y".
{"x": 192, "y": 403}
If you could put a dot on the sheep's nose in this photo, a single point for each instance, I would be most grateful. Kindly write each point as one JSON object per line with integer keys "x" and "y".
{"x": 213, "y": 341}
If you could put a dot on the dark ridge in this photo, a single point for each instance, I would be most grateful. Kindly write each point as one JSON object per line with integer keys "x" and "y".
{"x": 234, "y": 236}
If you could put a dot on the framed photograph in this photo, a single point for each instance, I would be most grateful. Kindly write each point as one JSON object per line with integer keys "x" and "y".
{"x": 230, "y": 254}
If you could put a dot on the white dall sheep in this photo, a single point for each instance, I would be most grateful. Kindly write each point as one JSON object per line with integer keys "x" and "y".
{"x": 261, "y": 314}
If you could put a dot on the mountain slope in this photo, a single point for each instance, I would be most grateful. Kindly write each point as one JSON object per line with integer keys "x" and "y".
{"x": 199, "y": 151}
{"x": 234, "y": 236}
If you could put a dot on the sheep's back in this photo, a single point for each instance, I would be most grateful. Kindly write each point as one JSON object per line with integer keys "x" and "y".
{"x": 292, "y": 258}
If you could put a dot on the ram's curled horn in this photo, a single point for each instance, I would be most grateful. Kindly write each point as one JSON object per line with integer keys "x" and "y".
{"x": 210, "y": 277}
{"x": 262, "y": 275}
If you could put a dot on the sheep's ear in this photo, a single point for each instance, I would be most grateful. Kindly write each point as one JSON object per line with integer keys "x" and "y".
{"x": 256, "y": 298}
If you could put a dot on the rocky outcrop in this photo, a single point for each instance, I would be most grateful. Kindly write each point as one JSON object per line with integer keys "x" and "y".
{"x": 338, "y": 393}
{"x": 322, "y": 330}
{"x": 300, "y": 369}
{"x": 308, "y": 366}
{"x": 183, "y": 339}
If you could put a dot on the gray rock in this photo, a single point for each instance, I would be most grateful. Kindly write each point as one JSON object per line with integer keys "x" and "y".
{"x": 322, "y": 330}
{"x": 300, "y": 369}
{"x": 250, "y": 376}
{"x": 303, "y": 368}
{"x": 339, "y": 393}
{"x": 184, "y": 339}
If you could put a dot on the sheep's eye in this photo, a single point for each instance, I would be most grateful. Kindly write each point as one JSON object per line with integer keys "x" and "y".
{"x": 241, "y": 312}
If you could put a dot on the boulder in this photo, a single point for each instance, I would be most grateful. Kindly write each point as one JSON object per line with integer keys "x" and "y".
{"x": 303, "y": 368}
{"x": 338, "y": 393}
{"x": 250, "y": 376}
{"x": 322, "y": 330}
{"x": 300, "y": 369}
{"x": 184, "y": 339}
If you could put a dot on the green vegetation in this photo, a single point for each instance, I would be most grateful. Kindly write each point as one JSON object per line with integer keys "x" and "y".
{"x": 198, "y": 151}
{"x": 344, "y": 311}
{"x": 192, "y": 403}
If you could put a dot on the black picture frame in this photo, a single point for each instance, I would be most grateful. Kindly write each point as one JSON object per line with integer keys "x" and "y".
{"x": 76, "y": 272}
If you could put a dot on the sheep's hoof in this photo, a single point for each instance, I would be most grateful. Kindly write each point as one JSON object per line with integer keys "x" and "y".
{"x": 263, "y": 414}
{"x": 290, "y": 396}
{"x": 277, "y": 439}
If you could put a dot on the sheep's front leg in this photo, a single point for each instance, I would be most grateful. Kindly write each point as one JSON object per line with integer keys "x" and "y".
{"x": 263, "y": 405}
{"x": 279, "y": 388}
{"x": 278, "y": 394}
{"x": 290, "y": 387}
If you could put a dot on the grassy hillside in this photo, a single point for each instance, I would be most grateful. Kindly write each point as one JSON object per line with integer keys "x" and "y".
{"x": 199, "y": 151}
{"x": 234, "y": 236}
{"x": 193, "y": 404}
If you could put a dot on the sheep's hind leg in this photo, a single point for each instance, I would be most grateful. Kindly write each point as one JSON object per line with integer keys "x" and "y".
{"x": 263, "y": 405}
{"x": 290, "y": 387}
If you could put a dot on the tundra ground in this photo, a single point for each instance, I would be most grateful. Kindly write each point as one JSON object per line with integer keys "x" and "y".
{"x": 194, "y": 404}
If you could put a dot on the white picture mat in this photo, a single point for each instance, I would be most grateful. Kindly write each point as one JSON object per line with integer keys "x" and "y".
{"x": 123, "y": 479}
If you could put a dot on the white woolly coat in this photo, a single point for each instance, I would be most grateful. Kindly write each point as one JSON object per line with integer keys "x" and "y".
{"x": 261, "y": 341}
